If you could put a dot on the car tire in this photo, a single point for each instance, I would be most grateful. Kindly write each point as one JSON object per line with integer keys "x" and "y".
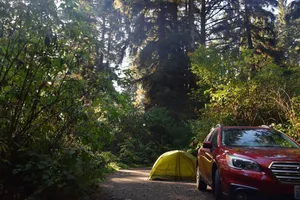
{"x": 201, "y": 185}
{"x": 217, "y": 189}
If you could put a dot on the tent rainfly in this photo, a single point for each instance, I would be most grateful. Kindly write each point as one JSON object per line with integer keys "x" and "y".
{"x": 174, "y": 165}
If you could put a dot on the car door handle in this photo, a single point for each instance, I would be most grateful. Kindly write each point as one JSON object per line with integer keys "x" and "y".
{"x": 208, "y": 156}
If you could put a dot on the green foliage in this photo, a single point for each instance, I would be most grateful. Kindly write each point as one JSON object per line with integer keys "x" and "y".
{"x": 166, "y": 126}
{"x": 237, "y": 85}
{"x": 243, "y": 90}
{"x": 61, "y": 173}
{"x": 200, "y": 129}
{"x": 134, "y": 152}
{"x": 291, "y": 109}
{"x": 135, "y": 142}
{"x": 157, "y": 42}
{"x": 58, "y": 109}
{"x": 144, "y": 136}
{"x": 287, "y": 28}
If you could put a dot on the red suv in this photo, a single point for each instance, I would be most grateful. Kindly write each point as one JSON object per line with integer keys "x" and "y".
{"x": 243, "y": 162}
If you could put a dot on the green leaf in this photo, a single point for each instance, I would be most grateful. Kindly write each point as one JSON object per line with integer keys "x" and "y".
{"x": 45, "y": 176}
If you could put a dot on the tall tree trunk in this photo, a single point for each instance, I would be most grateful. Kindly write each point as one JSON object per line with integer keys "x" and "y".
{"x": 186, "y": 7}
{"x": 249, "y": 37}
{"x": 108, "y": 50}
{"x": 161, "y": 33}
{"x": 203, "y": 23}
{"x": 239, "y": 22}
{"x": 103, "y": 37}
{"x": 192, "y": 26}
{"x": 247, "y": 26}
{"x": 282, "y": 29}
{"x": 173, "y": 11}
{"x": 100, "y": 55}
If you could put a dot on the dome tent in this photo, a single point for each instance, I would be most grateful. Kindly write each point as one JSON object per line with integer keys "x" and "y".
{"x": 174, "y": 165}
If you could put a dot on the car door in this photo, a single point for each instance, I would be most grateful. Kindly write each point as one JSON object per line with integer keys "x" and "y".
{"x": 206, "y": 157}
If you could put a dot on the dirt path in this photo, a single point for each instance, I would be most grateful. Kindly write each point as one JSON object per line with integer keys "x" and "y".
{"x": 133, "y": 184}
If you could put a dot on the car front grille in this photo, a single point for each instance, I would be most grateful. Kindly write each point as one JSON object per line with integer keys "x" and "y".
{"x": 286, "y": 172}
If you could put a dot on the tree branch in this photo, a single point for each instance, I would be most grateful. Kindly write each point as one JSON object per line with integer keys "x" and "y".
{"x": 211, "y": 4}
{"x": 214, "y": 14}
{"x": 219, "y": 21}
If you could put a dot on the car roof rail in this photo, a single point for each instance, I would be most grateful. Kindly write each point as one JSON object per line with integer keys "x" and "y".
{"x": 219, "y": 125}
{"x": 265, "y": 126}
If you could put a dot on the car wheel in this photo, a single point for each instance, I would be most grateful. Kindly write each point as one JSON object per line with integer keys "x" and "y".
{"x": 217, "y": 190}
{"x": 201, "y": 185}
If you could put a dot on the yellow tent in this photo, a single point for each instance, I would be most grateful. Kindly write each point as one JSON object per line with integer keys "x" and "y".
{"x": 174, "y": 165}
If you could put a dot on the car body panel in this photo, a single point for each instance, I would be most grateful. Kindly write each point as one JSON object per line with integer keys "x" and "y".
{"x": 206, "y": 165}
{"x": 264, "y": 181}
{"x": 267, "y": 153}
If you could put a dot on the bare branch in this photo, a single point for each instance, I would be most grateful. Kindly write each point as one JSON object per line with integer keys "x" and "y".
{"x": 219, "y": 21}
{"x": 216, "y": 13}
{"x": 211, "y": 5}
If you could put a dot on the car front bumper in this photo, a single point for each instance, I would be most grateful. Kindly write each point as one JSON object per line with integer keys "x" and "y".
{"x": 255, "y": 193}
{"x": 257, "y": 185}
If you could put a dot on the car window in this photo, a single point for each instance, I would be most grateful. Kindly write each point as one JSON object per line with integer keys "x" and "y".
{"x": 214, "y": 138}
{"x": 256, "y": 138}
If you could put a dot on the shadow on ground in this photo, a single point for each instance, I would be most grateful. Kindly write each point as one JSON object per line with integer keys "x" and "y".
{"x": 133, "y": 184}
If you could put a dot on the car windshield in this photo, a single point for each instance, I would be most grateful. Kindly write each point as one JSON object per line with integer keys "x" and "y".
{"x": 256, "y": 138}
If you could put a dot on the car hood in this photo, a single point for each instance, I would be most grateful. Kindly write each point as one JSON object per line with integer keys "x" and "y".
{"x": 280, "y": 154}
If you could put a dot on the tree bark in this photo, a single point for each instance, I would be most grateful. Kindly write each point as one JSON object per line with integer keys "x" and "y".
{"x": 103, "y": 37}
{"x": 192, "y": 26}
{"x": 108, "y": 51}
{"x": 161, "y": 33}
{"x": 174, "y": 10}
{"x": 203, "y": 22}
{"x": 100, "y": 55}
{"x": 248, "y": 26}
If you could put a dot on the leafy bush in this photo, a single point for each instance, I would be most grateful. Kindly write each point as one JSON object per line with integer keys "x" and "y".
{"x": 248, "y": 89}
{"x": 63, "y": 173}
{"x": 57, "y": 110}
{"x": 201, "y": 128}
{"x": 166, "y": 127}
{"x": 145, "y": 136}
{"x": 291, "y": 108}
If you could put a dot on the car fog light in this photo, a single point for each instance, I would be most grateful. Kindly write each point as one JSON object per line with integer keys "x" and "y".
{"x": 241, "y": 195}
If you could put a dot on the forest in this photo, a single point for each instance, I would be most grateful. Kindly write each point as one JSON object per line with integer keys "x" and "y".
{"x": 89, "y": 86}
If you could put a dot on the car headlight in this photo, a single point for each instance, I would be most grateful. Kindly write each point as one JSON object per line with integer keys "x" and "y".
{"x": 242, "y": 163}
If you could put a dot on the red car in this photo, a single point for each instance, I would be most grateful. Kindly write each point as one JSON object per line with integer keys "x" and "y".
{"x": 242, "y": 162}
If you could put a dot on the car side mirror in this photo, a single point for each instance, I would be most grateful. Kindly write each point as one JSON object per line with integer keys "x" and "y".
{"x": 207, "y": 145}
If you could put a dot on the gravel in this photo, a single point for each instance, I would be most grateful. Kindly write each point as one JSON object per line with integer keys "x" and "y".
{"x": 133, "y": 184}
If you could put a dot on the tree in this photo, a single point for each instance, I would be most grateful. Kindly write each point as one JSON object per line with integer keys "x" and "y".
{"x": 247, "y": 24}
{"x": 58, "y": 110}
{"x": 160, "y": 45}
{"x": 288, "y": 31}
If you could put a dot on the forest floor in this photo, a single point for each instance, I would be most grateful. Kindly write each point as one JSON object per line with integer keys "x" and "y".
{"x": 133, "y": 184}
